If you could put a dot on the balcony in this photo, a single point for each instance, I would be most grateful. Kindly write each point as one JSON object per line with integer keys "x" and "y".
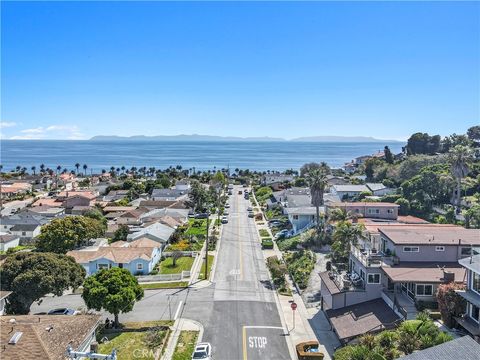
{"x": 347, "y": 281}
{"x": 372, "y": 258}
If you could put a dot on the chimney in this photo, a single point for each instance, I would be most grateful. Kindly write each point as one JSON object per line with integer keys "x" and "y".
{"x": 448, "y": 276}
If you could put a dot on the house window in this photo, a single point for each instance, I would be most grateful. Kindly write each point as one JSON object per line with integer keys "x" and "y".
{"x": 424, "y": 290}
{"x": 24, "y": 233}
{"x": 295, "y": 217}
{"x": 475, "y": 313}
{"x": 439, "y": 248}
{"x": 466, "y": 251}
{"x": 373, "y": 278}
{"x": 411, "y": 249}
{"x": 140, "y": 266}
{"x": 102, "y": 266}
{"x": 476, "y": 282}
{"x": 389, "y": 211}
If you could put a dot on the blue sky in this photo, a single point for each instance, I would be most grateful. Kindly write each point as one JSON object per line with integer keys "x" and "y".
{"x": 383, "y": 69}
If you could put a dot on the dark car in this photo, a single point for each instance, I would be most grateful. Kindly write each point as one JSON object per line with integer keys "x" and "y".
{"x": 63, "y": 311}
{"x": 201, "y": 215}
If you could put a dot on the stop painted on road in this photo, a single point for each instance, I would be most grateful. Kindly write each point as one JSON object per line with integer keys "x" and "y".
{"x": 264, "y": 343}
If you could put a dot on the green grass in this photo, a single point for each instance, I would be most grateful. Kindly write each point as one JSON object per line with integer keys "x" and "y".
{"x": 288, "y": 243}
{"x": 185, "y": 345}
{"x": 210, "y": 263}
{"x": 165, "y": 285}
{"x": 264, "y": 232}
{"x": 182, "y": 264}
{"x": 129, "y": 345}
{"x": 197, "y": 227}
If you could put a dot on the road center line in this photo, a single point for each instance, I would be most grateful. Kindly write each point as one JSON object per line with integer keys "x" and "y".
{"x": 244, "y": 332}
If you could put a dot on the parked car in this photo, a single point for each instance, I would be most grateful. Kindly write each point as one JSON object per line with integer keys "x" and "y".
{"x": 281, "y": 234}
{"x": 251, "y": 214}
{"x": 227, "y": 205}
{"x": 239, "y": 192}
{"x": 225, "y": 212}
{"x": 201, "y": 216}
{"x": 202, "y": 351}
{"x": 224, "y": 220}
{"x": 230, "y": 192}
{"x": 63, "y": 311}
{"x": 275, "y": 223}
{"x": 249, "y": 208}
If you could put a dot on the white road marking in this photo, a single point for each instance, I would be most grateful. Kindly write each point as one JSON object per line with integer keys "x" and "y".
{"x": 234, "y": 272}
{"x": 257, "y": 342}
{"x": 178, "y": 310}
{"x": 263, "y": 327}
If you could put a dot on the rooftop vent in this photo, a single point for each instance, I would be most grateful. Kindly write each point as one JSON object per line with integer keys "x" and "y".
{"x": 15, "y": 338}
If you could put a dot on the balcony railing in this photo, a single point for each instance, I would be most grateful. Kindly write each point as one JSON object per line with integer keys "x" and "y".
{"x": 346, "y": 281}
{"x": 371, "y": 258}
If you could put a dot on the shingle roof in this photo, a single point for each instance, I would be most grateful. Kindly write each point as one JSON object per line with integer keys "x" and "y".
{"x": 460, "y": 348}
{"x": 351, "y": 188}
{"x": 115, "y": 254}
{"x": 37, "y": 342}
{"x": 24, "y": 227}
{"x": 431, "y": 235}
{"x": 5, "y": 238}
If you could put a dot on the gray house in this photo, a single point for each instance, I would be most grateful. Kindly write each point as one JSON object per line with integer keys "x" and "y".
{"x": 471, "y": 320}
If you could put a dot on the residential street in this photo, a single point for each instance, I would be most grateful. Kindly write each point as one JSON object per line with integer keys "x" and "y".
{"x": 238, "y": 311}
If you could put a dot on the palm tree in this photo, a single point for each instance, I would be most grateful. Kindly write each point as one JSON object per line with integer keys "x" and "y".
{"x": 346, "y": 234}
{"x": 317, "y": 181}
{"x": 460, "y": 158}
{"x": 33, "y": 169}
{"x": 42, "y": 168}
{"x": 123, "y": 169}
{"x": 77, "y": 165}
{"x": 85, "y": 169}
{"x": 59, "y": 168}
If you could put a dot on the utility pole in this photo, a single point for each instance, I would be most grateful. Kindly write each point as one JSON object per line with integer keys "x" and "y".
{"x": 206, "y": 251}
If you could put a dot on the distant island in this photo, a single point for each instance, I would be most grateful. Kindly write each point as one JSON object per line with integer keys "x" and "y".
{"x": 196, "y": 137}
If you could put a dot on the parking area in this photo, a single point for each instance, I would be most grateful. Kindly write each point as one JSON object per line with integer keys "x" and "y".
{"x": 264, "y": 342}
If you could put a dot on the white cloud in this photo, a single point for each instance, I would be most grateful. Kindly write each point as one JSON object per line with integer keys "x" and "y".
{"x": 69, "y": 132}
{"x": 7, "y": 124}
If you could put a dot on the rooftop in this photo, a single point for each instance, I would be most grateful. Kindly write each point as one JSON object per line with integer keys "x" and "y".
{"x": 428, "y": 272}
{"x": 116, "y": 254}
{"x": 461, "y": 348}
{"x": 363, "y": 204}
{"x": 44, "y": 336}
{"x": 350, "y": 188}
{"x": 355, "y": 320}
{"x": 431, "y": 235}
{"x": 471, "y": 263}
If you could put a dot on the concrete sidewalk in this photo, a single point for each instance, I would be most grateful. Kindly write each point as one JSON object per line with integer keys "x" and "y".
{"x": 179, "y": 326}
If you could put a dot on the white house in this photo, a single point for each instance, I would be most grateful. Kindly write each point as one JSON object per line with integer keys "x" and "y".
{"x": 348, "y": 191}
{"x": 26, "y": 231}
{"x": 157, "y": 232}
{"x": 8, "y": 241}
{"x": 378, "y": 189}
{"x": 182, "y": 185}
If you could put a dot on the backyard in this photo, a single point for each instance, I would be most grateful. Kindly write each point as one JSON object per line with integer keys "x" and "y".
{"x": 150, "y": 336}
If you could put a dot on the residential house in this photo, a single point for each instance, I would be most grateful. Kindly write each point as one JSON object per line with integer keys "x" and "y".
{"x": 32, "y": 337}
{"x": 8, "y": 241}
{"x": 138, "y": 260}
{"x": 131, "y": 217}
{"x": 182, "y": 185}
{"x": 9, "y": 190}
{"x": 158, "y": 232}
{"x": 115, "y": 195}
{"x": 76, "y": 200}
{"x": 47, "y": 211}
{"x": 460, "y": 348}
{"x": 277, "y": 181}
{"x": 336, "y": 180}
{"x": 3, "y": 297}
{"x": 378, "y": 189}
{"x": 81, "y": 209}
{"x": 152, "y": 205}
{"x": 26, "y": 232}
{"x": 348, "y": 191}
{"x": 169, "y": 194}
{"x": 23, "y": 224}
{"x": 302, "y": 218}
{"x": 376, "y": 210}
{"x": 403, "y": 266}
{"x": 471, "y": 320}
{"x": 68, "y": 181}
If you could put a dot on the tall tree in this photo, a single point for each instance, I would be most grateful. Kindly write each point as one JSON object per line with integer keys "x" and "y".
{"x": 33, "y": 169}
{"x": 62, "y": 235}
{"x": 77, "y": 165}
{"x": 317, "y": 182}
{"x": 388, "y": 155}
{"x": 115, "y": 290}
{"x": 32, "y": 275}
{"x": 85, "y": 169}
{"x": 460, "y": 158}
{"x": 473, "y": 134}
{"x": 345, "y": 235}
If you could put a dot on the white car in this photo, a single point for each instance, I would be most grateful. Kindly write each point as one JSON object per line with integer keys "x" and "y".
{"x": 225, "y": 212}
{"x": 202, "y": 351}
{"x": 224, "y": 220}
{"x": 227, "y": 205}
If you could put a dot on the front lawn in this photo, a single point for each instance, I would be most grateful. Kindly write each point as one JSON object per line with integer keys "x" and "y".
{"x": 134, "y": 344}
{"x": 210, "y": 263}
{"x": 264, "y": 232}
{"x": 185, "y": 345}
{"x": 197, "y": 227}
{"x": 300, "y": 264}
{"x": 182, "y": 264}
{"x": 165, "y": 285}
{"x": 289, "y": 243}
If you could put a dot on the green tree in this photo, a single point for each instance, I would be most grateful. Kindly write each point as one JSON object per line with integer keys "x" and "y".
{"x": 460, "y": 158}
{"x": 32, "y": 275}
{"x": 317, "y": 182}
{"x": 388, "y": 155}
{"x": 345, "y": 235}
{"x": 114, "y": 290}
{"x": 97, "y": 215}
{"x": 473, "y": 134}
{"x": 422, "y": 143}
{"x": 77, "y": 165}
{"x": 198, "y": 197}
{"x": 62, "y": 235}
{"x": 450, "y": 303}
{"x": 121, "y": 233}
{"x": 404, "y": 208}
{"x": 369, "y": 169}
{"x": 472, "y": 217}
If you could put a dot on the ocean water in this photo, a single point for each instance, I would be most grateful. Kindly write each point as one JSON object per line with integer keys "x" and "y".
{"x": 203, "y": 155}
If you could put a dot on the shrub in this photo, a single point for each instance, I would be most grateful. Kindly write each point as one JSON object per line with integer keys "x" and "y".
{"x": 264, "y": 232}
{"x": 288, "y": 243}
{"x": 277, "y": 270}
{"x": 300, "y": 264}
{"x": 450, "y": 303}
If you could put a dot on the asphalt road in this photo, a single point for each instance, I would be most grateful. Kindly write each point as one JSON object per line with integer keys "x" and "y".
{"x": 238, "y": 311}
